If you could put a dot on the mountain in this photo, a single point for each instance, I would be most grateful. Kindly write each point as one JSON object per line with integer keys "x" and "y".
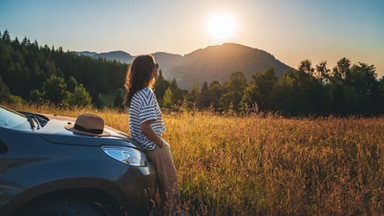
{"x": 114, "y": 55}
{"x": 218, "y": 62}
{"x": 87, "y": 53}
{"x": 209, "y": 64}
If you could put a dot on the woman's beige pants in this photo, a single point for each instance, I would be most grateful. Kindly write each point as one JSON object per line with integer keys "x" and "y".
{"x": 166, "y": 173}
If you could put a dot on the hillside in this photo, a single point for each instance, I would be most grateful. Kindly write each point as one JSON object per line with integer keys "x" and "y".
{"x": 210, "y": 63}
{"x": 114, "y": 55}
{"x": 218, "y": 62}
{"x": 37, "y": 74}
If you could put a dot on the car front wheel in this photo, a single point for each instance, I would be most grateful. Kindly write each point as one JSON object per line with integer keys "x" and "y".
{"x": 65, "y": 207}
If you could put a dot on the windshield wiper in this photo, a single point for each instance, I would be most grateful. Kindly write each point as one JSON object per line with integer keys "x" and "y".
{"x": 32, "y": 118}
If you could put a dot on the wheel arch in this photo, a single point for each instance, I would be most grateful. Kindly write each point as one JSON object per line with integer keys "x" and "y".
{"x": 103, "y": 194}
{"x": 99, "y": 199}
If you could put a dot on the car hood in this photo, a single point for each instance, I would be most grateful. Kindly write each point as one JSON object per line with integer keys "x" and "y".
{"x": 54, "y": 131}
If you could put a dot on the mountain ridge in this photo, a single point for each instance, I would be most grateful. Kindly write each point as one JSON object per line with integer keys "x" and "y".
{"x": 215, "y": 62}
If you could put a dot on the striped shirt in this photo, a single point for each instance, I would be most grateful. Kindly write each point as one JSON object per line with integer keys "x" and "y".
{"x": 144, "y": 107}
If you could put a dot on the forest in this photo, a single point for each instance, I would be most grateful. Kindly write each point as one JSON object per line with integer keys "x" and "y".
{"x": 34, "y": 74}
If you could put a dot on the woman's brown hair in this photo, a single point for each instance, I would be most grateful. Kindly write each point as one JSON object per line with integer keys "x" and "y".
{"x": 140, "y": 75}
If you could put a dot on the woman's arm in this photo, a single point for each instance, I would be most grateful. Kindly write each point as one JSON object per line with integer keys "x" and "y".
{"x": 148, "y": 131}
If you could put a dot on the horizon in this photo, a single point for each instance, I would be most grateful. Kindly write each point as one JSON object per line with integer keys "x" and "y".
{"x": 291, "y": 31}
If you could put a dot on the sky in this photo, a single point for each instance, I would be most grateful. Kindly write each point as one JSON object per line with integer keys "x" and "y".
{"x": 291, "y": 30}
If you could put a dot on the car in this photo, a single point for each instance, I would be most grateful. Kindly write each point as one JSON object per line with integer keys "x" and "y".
{"x": 56, "y": 165}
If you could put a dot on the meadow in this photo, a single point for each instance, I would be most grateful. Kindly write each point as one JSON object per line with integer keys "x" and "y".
{"x": 269, "y": 165}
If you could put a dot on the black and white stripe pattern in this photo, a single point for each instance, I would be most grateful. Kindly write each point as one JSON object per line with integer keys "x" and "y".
{"x": 144, "y": 107}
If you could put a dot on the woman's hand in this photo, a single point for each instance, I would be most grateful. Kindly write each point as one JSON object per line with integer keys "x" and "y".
{"x": 148, "y": 131}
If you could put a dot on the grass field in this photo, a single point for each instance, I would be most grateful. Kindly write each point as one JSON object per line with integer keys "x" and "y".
{"x": 231, "y": 165}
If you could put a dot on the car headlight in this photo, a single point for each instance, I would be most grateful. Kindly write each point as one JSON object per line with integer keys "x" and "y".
{"x": 127, "y": 155}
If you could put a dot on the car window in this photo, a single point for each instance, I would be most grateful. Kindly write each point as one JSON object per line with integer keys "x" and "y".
{"x": 10, "y": 119}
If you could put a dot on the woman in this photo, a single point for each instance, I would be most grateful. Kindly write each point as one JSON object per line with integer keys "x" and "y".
{"x": 146, "y": 125}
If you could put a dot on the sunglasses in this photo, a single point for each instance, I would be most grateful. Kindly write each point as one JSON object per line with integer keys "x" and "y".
{"x": 157, "y": 65}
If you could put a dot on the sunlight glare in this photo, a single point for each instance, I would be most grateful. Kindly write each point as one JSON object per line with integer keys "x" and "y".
{"x": 221, "y": 26}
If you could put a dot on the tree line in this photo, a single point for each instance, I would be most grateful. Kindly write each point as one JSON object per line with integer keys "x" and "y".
{"x": 310, "y": 90}
{"x": 39, "y": 74}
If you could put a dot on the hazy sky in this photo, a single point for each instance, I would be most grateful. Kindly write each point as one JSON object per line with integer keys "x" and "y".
{"x": 291, "y": 30}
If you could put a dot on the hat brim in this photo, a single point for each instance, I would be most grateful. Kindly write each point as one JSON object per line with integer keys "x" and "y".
{"x": 70, "y": 127}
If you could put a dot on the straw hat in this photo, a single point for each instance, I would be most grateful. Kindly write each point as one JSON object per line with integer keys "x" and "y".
{"x": 88, "y": 124}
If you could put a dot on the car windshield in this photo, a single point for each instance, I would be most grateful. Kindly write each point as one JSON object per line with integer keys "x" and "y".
{"x": 10, "y": 118}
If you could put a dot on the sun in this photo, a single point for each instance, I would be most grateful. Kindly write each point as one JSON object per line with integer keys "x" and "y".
{"x": 221, "y": 26}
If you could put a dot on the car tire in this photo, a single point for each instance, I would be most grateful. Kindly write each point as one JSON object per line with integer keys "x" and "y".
{"x": 63, "y": 207}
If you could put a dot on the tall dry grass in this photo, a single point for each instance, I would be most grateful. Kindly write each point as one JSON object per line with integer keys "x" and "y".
{"x": 253, "y": 165}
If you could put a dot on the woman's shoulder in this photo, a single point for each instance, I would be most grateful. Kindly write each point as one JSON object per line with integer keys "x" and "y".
{"x": 146, "y": 90}
{"x": 145, "y": 93}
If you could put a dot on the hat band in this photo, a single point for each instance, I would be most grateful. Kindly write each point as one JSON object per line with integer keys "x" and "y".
{"x": 94, "y": 131}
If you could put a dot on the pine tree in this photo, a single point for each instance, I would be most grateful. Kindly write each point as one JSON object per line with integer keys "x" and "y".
{"x": 81, "y": 97}
{"x": 119, "y": 99}
{"x": 55, "y": 90}
{"x": 168, "y": 99}
{"x": 4, "y": 91}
